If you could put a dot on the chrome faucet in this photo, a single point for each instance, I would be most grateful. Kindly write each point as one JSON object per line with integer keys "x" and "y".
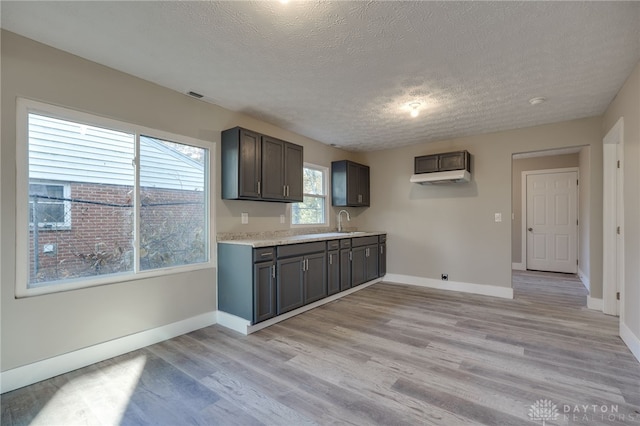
{"x": 340, "y": 219}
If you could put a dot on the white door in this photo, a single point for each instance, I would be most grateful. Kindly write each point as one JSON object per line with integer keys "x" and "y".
{"x": 552, "y": 225}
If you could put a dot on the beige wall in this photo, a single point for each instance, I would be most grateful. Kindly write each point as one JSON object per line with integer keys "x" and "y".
{"x": 40, "y": 327}
{"x": 627, "y": 104}
{"x": 450, "y": 228}
{"x": 519, "y": 166}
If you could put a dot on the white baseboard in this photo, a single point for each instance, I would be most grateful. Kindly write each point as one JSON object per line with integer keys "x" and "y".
{"x": 631, "y": 340}
{"x": 486, "y": 290}
{"x": 233, "y": 322}
{"x": 520, "y": 266}
{"x": 50, "y": 367}
{"x": 585, "y": 279}
{"x": 593, "y": 303}
{"x": 244, "y": 326}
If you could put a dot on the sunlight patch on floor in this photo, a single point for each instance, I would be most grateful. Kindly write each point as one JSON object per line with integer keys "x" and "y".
{"x": 107, "y": 391}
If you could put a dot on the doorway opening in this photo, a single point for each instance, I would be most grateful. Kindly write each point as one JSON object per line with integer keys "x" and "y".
{"x": 550, "y": 221}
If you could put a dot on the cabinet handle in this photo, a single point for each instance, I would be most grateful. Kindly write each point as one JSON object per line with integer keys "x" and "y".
{"x": 273, "y": 271}
{"x": 258, "y": 187}
{"x": 284, "y": 190}
{"x": 350, "y": 256}
{"x": 303, "y": 263}
{"x": 306, "y": 261}
{"x": 266, "y": 254}
{"x": 287, "y": 190}
{"x": 330, "y": 259}
{"x": 381, "y": 249}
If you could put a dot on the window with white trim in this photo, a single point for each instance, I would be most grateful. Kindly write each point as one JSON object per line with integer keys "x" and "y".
{"x": 313, "y": 209}
{"x": 110, "y": 199}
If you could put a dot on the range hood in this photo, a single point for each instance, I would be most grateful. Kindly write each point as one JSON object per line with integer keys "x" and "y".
{"x": 441, "y": 177}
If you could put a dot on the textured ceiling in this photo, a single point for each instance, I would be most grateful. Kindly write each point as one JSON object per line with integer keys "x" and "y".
{"x": 344, "y": 72}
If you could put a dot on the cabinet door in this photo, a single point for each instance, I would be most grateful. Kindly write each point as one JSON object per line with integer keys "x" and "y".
{"x": 358, "y": 265}
{"x": 264, "y": 291}
{"x": 452, "y": 161}
{"x": 426, "y": 164}
{"x": 371, "y": 271}
{"x": 363, "y": 185}
{"x": 290, "y": 290}
{"x": 353, "y": 192}
{"x": 315, "y": 277}
{"x": 345, "y": 269}
{"x": 273, "y": 187}
{"x": 382, "y": 261}
{"x": 333, "y": 272}
{"x": 293, "y": 165}
{"x": 250, "y": 167}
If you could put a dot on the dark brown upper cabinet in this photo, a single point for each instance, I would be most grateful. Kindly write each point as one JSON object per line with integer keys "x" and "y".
{"x": 458, "y": 160}
{"x": 349, "y": 184}
{"x": 259, "y": 167}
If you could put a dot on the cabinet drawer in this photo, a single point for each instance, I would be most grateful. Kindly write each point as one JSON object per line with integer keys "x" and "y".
{"x": 300, "y": 249}
{"x": 364, "y": 241}
{"x": 345, "y": 243}
{"x": 333, "y": 245}
{"x": 263, "y": 254}
{"x": 383, "y": 238}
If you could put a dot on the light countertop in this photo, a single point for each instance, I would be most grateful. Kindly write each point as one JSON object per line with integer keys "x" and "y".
{"x": 296, "y": 239}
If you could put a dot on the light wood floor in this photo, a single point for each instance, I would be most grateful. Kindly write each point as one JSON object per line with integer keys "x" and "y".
{"x": 388, "y": 355}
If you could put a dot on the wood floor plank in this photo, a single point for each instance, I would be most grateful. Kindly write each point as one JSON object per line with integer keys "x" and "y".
{"x": 389, "y": 354}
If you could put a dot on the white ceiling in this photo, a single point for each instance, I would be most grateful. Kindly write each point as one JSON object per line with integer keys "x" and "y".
{"x": 344, "y": 72}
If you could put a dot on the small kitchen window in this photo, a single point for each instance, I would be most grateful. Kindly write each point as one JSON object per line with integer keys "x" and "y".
{"x": 313, "y": 209}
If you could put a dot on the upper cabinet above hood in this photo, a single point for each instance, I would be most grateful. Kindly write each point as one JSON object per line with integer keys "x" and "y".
{"x": 442, "y": 168}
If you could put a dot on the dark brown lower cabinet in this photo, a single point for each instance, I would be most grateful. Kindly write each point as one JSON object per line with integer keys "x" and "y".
{"x": 302, "y": 277}
{"x": 290, "y": 284}
{"x": 382, "y": 262}
{"x": 364, "y": 263}
{"x": 264, "y": 291}
{"x": 260, "y": 283}
{"x": 333, "y": 272}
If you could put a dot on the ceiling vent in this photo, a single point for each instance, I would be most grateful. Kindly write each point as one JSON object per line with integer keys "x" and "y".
{"x": 448, "y": 167}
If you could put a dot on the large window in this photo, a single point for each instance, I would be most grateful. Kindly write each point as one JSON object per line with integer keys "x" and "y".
{"x": 313, "y": 209}
{"x": 110, "y": 200}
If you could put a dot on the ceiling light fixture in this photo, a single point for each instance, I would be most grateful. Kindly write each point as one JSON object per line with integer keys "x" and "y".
{"x": 414, "y": 109}
{"x": 284, "y": 1}
{"x": 536, "y": 101}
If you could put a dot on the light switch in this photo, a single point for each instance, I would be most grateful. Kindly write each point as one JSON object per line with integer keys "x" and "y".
{"x": 281, "y": 218}
{"x": 498, "y": 217}
{"x": 244, "y": 217}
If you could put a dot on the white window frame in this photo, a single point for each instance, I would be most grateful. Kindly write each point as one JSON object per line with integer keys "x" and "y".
{"x": 54, "y": 226}
{"x": 26, "y": 107}
{"x": 325, "y": 190}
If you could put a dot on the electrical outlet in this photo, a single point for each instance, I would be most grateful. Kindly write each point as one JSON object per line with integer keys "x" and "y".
{"x": 244, "y": 218}
{"x": 498, "y": 217}
{"x": 281, "y": 218}
{"x": 445, "y": 277}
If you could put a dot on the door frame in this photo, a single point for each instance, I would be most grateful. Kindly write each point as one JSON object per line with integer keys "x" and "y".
{"x": 612, "y": 217}
{"x": 523, "y": 196}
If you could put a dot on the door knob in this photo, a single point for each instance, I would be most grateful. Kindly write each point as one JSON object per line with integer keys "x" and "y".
{"x": 530, "y": 229}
